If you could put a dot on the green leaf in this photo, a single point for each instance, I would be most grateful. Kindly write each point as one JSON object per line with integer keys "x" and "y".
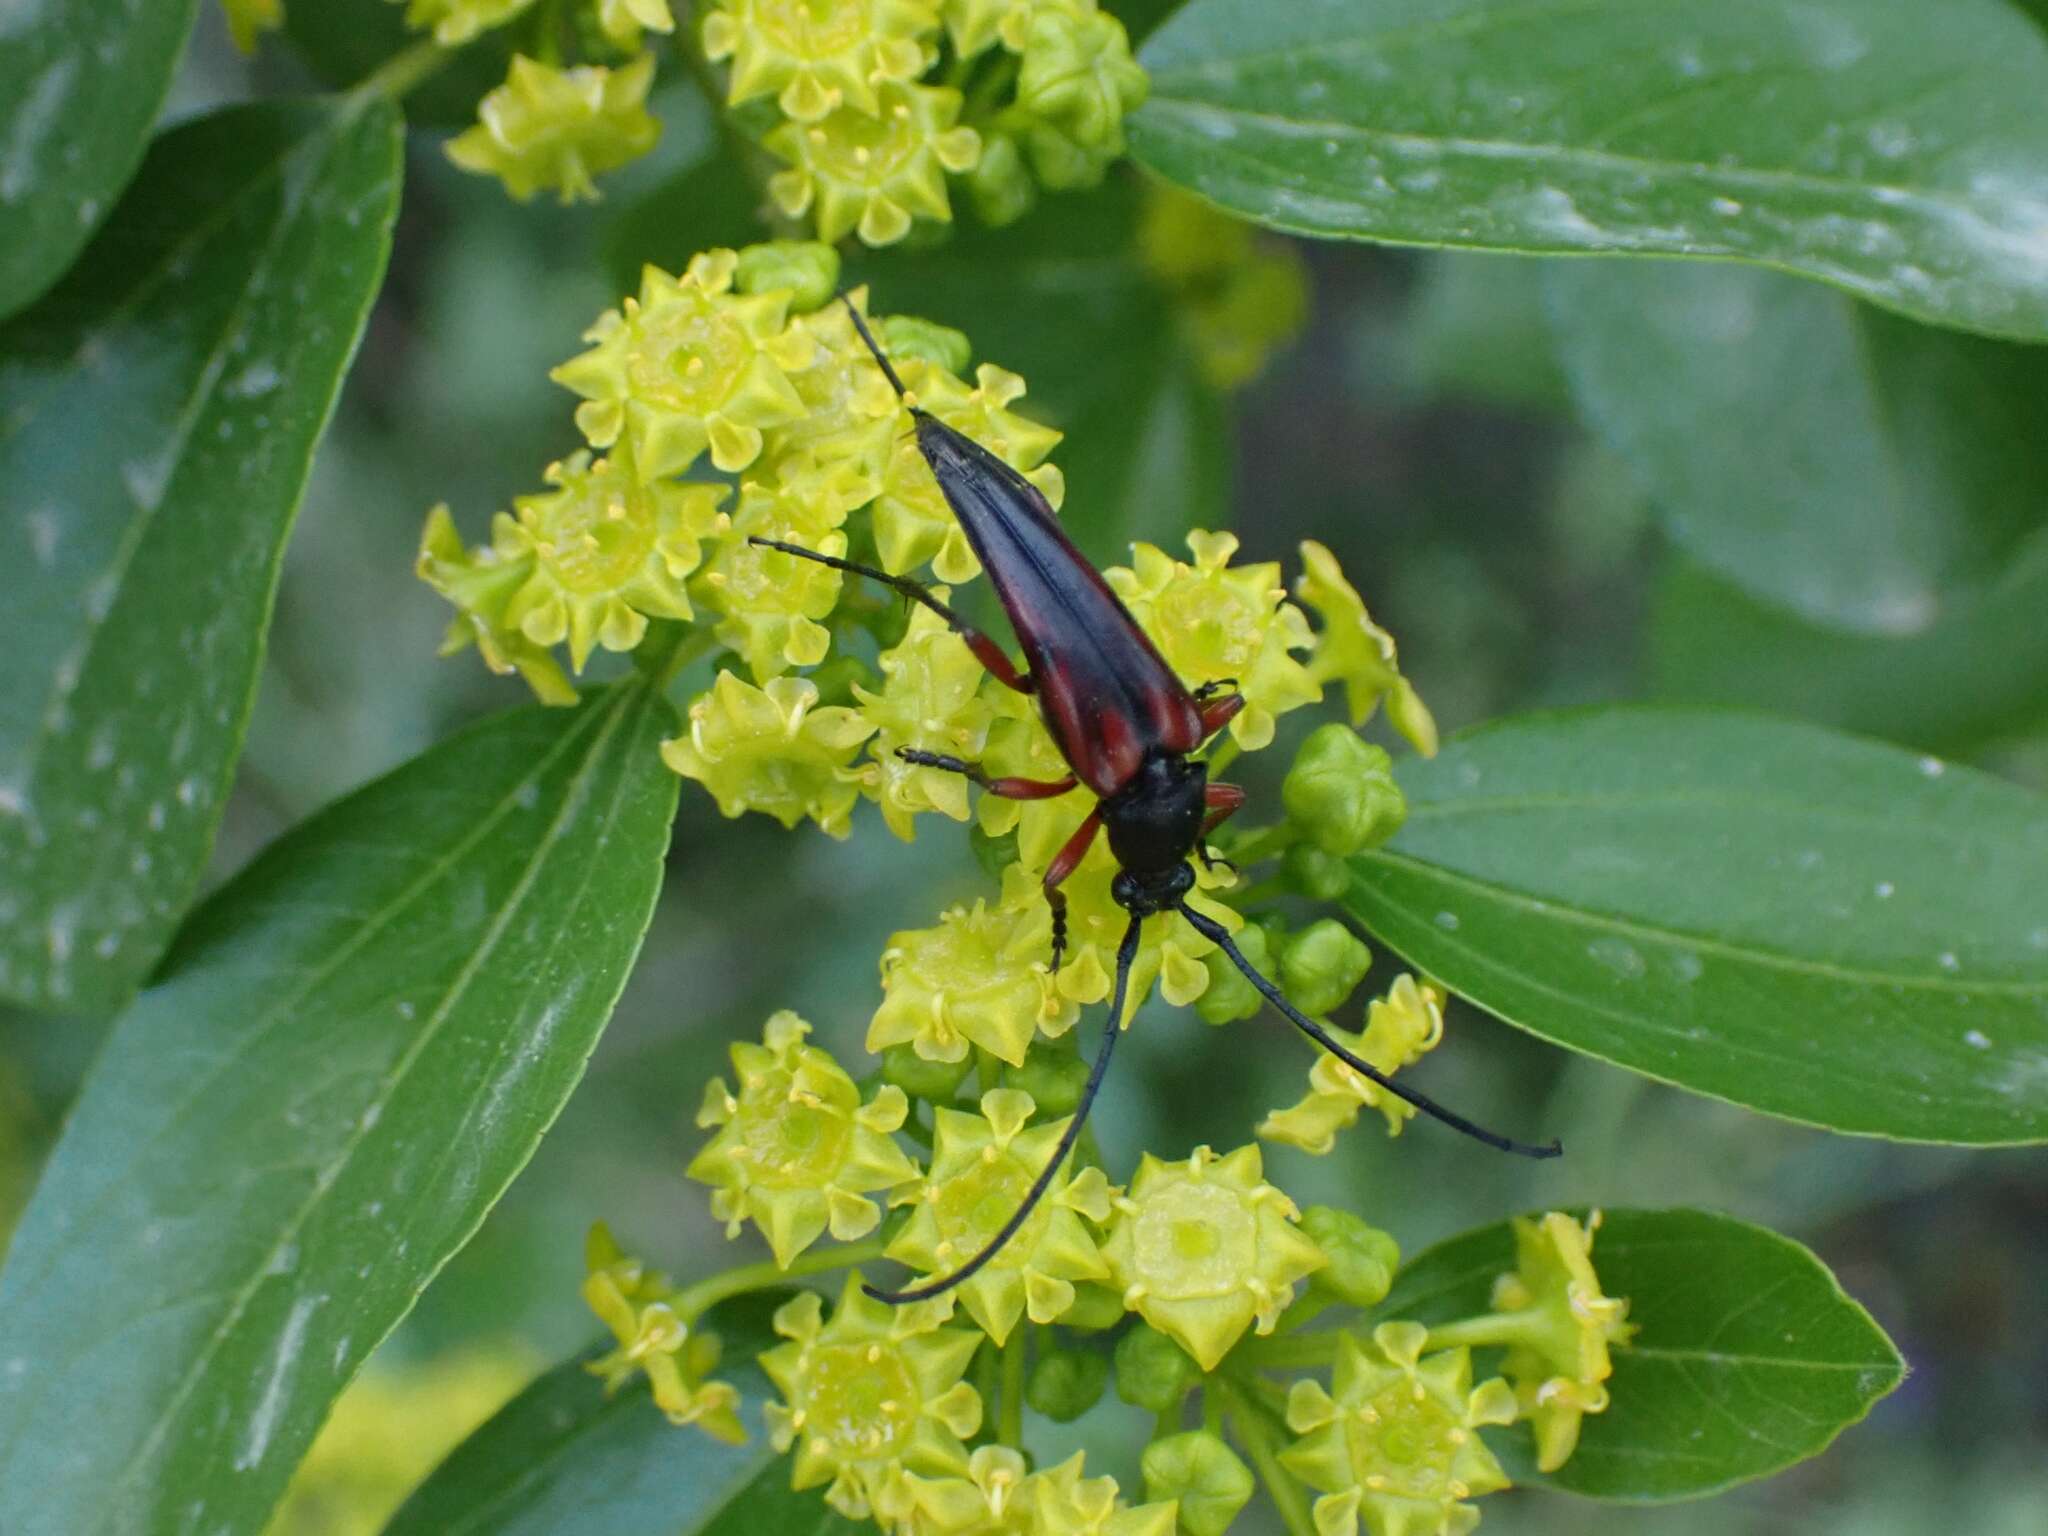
{"x": 158, "y": 414}
{"x": 1749, "y": 1356}
{"x": 1061, "y": 298}
{"x": 350, "y": 1051}
{"x": 565, "y": 1459}
{"x": 1887, "y": 148}
{"x": 1807, "y": 924}
{"x": 344, "y": 41}
{"x": 1478, "y": 331}
{"x": 79, "y": 89}
{"x": 1860, "y": 470}
{"x": 1978, "y": 675}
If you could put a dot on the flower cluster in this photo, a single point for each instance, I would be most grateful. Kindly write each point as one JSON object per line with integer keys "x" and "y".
{"x": 1034, "y": 93}
{"x": 1241, "y": 292}
{"x": 1192, "y": 1280}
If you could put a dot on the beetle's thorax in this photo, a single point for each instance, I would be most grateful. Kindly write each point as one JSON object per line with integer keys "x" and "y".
{"x": 1153, "y": 823}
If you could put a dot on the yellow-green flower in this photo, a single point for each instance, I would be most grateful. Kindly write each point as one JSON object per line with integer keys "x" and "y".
{"x": 871, "y": 1395}
{"x": 1559, "y": 1328}
{"x": 481, "y": 583}
{"x": 982, "y": 1167}
{"x": 609, "y": 552}
{"x": 796, "y": 1150}
{"x": 770, "y": 749}
{"x": 912, "y": 522}
{"x": 770, "y": 602}
{"x": 1241, "y": 292}
{"x": 1399, "y": 1029}
{"x": 819, "y": 54}
{"x": 455, "y": 22}
{"x": 873, "y": 173}
{"x": 622, "y": 21}
{"x": 1397, "y": 1447}
{"x": 633, "y": 1302}
{"x": 930, "y": 700}
{"x": 1064, "y": 1503}
{"x": 1212, "y": 621}
{"x": 247, "y": 18}
{"x": 1204, "y": 1248}
{"x": 976, "y": 24}
{"x": 981, "y": 977}
{"x": 1353, "y": 650}
{"x": 850, "y": 412}
{"x": 557, "y": 129}
{"x": 1077, "y": 80}
{"x": 985, "y": 1502}
{"x": 689, "y": 365}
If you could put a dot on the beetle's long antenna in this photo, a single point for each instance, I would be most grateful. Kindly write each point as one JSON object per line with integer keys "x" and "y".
{"x": 868, "y": 336}
{"x": 1214, "y": 931}
{"x": 1126, "y": 952}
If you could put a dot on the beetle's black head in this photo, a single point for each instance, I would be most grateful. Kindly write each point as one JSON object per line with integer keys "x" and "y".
{"x": 1154, "y": 823}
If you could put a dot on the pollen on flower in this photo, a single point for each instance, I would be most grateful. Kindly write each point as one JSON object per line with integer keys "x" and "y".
{"x": 1351, "y": 649}
{"x": 982, "y": 1167}
{"x": 796, "y": 1151}
{"x": 1204, "y": 1248}
{"x": 1213, "y": 621}
{"x": 874, "y": 173}
{"x": 819, "y": 54}
{"x": 980, "y": 978}
{"x": 549, "y": 129}
{"x": 771, "y": 749}
{"x": 1392, "y": 1446}
{"x": 872, "y": 1394}
{"x": 689, "y": 365}
{"x": 1400, "y": 1028}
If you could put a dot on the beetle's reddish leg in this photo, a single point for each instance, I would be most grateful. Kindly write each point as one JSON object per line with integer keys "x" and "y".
{"x": 986, "y": 651}
{"x": 1223, "y": 801}
{"x": 1219, "y": 712}
{"x": 1002, "y": 789}
{"x": 1064, "y": 863}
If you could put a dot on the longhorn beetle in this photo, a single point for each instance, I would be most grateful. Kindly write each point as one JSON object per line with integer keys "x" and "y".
{"x": 1127, "y": 728}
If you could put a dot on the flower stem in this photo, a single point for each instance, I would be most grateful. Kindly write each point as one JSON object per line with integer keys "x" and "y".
{"x": 692, "y": 1302}
{"x": 396, "y": 77}
{"x": 1492, "y": 1328}
{"x": 1289, "y": 1351}
{"x": 1010, "y": 1411}
{"x": 1255, "y": 1435}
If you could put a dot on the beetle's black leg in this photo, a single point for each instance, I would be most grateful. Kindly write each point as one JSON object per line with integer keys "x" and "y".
{"x": 1001, "y": 788}
{"x": 1214, "y": 686}
{"x": 1126, "y": 952}
{"x": 986, "y": 651}
{"x": 1064, "y": 863}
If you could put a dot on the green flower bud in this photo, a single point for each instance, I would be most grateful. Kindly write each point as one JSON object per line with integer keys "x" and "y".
{"x": 1362, "y": 1258}
{"x": 1322, "y": 965}
{"x": 1053, "y": 1074}
{"x": 1316, "y": 873}
{"x": 1230, "y": 996}
{"x": 1001, "y": 187}
{"x": 1204, "y": 1474}
{"x": 1065, "y": 1383}
{"x": 1093, "y": 1309}
{"x": 935, "y": 1081}
{"x": 1152, "y": 1371}
{"x": 806, "y": 269}
{"x": 907, "y": 336}
{"x": 1341, "y": 792}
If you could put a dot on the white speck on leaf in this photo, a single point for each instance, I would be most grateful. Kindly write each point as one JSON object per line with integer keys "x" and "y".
{"x": 1618, "y": 956}
{"x": 1977, "y": 1038}
{"x": 263, "y": 1422}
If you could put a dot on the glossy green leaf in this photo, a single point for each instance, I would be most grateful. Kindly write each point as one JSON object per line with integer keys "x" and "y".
{"x": 79, "y": 89}
{"x": 1809, "y": 924}
{"x": 1062, "y": 299}
{"x": 1893, "y": 149}
{"x": 1858, "y": 469}
{"x": 1978, "y": 675}
{"x": 1748, "y": 1359}
{"x": 565, "y": 1459}
{"x": 158, "y": 414}
{"x": 350, "y": 1051}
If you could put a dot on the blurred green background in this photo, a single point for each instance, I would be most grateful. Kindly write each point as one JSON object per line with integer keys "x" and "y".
{"x": 1424, "y": 426}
